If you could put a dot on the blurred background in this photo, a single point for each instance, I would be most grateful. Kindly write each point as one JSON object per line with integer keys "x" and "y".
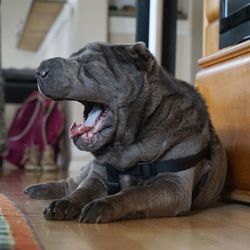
{"x": 32, "y": 31}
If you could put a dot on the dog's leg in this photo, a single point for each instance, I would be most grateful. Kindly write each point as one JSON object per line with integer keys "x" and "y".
{"x": 56, "y": 189}
{"x": 69, "y": 207}
{"x": 165, "y": 196}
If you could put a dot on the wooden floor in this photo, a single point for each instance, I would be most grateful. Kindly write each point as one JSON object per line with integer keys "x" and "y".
{"x": 226, "y": 226}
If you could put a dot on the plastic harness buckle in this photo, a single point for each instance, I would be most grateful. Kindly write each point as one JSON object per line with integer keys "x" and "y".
{"x": 146, "y": 170}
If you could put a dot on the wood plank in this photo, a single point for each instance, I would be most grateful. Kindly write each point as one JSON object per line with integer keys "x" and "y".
{"x": 225, "y": 54}
{"x": 225, "y": 226}
{"x": 212, "y": 38}
{"x": 210, "y": 27}
{"x": 224, "y": 83}
{"x": 212, "y": 10}
{"x": 238, "y": 195}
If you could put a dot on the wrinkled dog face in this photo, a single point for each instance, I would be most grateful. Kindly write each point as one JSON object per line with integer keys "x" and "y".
{"x": 105, "y": 79}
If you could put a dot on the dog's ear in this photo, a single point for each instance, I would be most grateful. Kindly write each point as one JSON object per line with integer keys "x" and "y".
{"x": 143, "y": 57}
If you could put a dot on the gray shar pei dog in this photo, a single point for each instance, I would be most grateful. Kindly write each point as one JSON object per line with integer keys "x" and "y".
{"x": 156, "y": 153}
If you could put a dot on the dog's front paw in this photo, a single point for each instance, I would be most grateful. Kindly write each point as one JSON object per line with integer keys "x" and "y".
{"x": 98, "y": 211}
{"x": 39, "y": 191}
{"x": 49, "y": 190}
{"x": 63, "y": 209}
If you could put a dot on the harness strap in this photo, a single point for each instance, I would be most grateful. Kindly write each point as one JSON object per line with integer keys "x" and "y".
{"x": 147, "y": 170}
{"x": 114, "y": 185}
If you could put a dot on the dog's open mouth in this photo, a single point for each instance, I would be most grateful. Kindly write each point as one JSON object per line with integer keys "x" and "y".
{"x": 94, "y": 116}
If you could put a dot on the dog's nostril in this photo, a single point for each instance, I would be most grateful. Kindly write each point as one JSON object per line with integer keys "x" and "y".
{"x": 42, "y": 73}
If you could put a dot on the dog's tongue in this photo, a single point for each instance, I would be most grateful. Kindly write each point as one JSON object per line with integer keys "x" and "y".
{"x": 76, "y": 130}
{"x": 93, "y": 115}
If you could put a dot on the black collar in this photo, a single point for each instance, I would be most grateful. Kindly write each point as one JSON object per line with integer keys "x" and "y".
{"x": 147, "y": 170}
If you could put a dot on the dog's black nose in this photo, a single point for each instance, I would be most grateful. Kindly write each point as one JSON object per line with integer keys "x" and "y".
{"x": 41, "y": 73}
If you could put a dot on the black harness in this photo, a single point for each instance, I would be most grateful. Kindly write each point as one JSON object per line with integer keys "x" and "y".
{"x": 147, "y": 170}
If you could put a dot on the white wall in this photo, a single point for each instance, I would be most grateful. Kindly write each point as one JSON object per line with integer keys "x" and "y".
{"x": 197, "y": 29}
{"x": 124, "y": 35}
{"x": 155, "y": 28}
{"x": 80, "y": 22}
{"x": 183, "y": 50}
{"x": 14, "y": 12}
{"x": 189, "y": 40}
